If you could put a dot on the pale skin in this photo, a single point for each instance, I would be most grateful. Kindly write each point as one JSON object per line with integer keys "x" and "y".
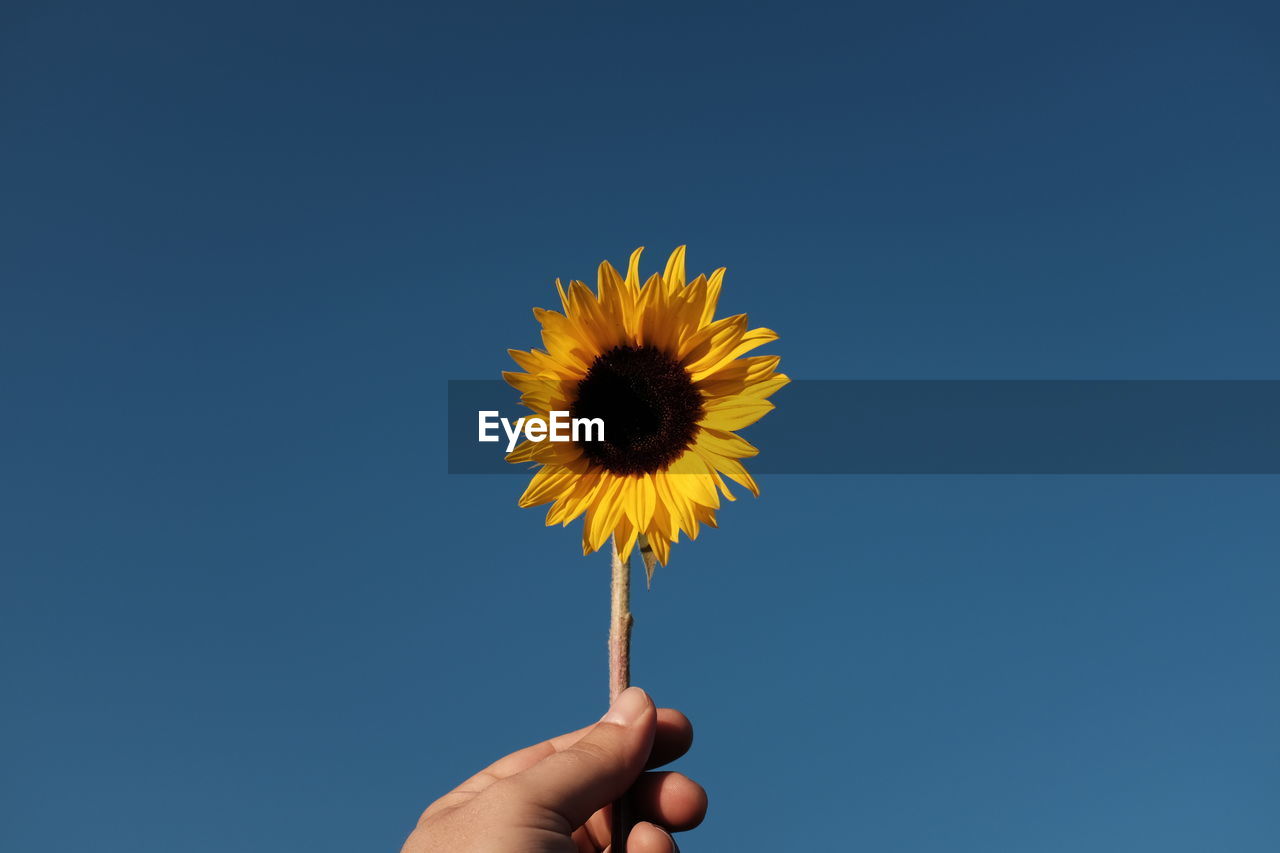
{"x": 554, "y": 796}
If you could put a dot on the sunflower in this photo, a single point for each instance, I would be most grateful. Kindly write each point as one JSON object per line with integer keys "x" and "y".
{"x": 670, "y": 384}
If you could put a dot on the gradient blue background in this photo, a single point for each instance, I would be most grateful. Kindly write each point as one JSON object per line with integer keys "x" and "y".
{"x": 243, "y": 245}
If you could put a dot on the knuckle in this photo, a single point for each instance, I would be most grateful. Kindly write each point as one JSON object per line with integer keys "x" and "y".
{"x": 599, "y": 754}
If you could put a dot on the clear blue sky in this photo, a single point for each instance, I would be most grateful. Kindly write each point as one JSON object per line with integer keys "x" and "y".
{"x": 244, "y": 245}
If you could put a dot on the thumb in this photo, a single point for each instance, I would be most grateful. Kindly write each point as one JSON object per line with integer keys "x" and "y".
{"x": 576, "y": 782}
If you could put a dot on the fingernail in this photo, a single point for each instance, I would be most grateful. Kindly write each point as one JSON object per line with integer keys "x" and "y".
{"x": 627, "y": 708}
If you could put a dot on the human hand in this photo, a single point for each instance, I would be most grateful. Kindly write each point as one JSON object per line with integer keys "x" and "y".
{"x": 554, "y": 797}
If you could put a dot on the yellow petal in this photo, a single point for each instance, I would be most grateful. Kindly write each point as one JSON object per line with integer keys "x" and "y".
{"x": 617, "y": 303}
{"x": 625, "y": 537}
{"x": 523, "y": 452}
{"x": 678, "y": 499}
{"x": 695, "y": 296}
{"x": 735, "y": 375}
{"x": 727, "y": 444}
{"x": 710, "y": 344}
{"x": 734, "y": 470}
{"x": 661, "y": 549}
{"x": 585, "y": 499}
{"x": 730, "y": 413}
{"x": 750, "y": 340}
{"x": 641, "y": 497}
{"x": 712, "y": 448}
{"x": 692, "y": 476}
{"x": 581, "y": 300}
{"x": 606, "y": 275}
{"x": 633, "y": 269}
{"x": 562, "y": 453}
{"x": 724, "y": 487}
{"x": 714, "y": 283}
{"x": 567, "y": 349}
{"x": 603, "y": 517}
{"x": 654, "y": 326}
{"x": 588, "y": 318}
{"x": 766, "y": 387}
{"x": 674, "y": 273}
{"x": 547, "y": 485}
{"x": 667, "y": 512}
{"x": 525, "y": 383}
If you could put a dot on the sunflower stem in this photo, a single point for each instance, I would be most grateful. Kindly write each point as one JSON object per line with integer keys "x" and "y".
{"x": 620, "y": 623}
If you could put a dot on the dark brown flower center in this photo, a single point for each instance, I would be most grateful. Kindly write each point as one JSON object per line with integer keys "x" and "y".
{"x": 649, "y": 407}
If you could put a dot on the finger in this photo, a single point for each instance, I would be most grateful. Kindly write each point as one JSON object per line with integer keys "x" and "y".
{"x": 576, "y": 781}
{"x": 674, "y": 737}
{"x": 672, "y": 740}
{"x": 670, "y": 799}
{"x": 647, "y": 838}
